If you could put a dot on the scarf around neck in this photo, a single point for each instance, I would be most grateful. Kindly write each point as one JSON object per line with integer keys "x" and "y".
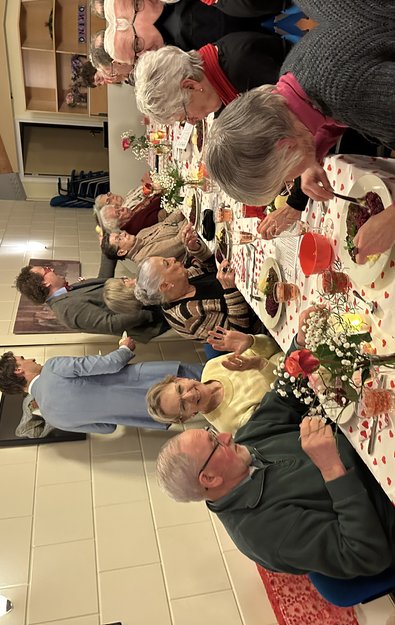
{"x": 215, "y": 75}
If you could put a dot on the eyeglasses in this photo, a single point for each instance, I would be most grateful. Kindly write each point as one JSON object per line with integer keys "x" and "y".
{"x": 217, "y": 443}
{"x": 138, "y": 43}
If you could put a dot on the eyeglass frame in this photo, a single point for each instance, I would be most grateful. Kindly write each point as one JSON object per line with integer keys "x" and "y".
{"x": 213, "y": 435}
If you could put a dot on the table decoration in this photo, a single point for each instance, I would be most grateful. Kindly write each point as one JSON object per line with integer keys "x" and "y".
{"x": 315, "y": 253}
{"x": 334, "y": 366}
{"x": 139, "y": 146}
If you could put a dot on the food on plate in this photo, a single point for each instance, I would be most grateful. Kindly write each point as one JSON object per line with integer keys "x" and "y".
{"x": 357, "y": 216}
{"x": 266, "y": 286}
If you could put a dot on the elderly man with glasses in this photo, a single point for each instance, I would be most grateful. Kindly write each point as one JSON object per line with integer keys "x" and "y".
{"x": 292, "y": 497}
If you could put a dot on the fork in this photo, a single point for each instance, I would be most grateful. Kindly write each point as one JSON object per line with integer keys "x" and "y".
{"x": 348, "y": 198}
{"x": 371, "y": 305}
{"x": 373, "y": 429}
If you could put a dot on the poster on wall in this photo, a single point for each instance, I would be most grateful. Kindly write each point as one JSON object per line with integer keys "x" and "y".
{"x": 39, "y": 319}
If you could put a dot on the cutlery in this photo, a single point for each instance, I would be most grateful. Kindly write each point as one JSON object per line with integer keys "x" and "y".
{"x": 373, "y": 429}
{"x": 371, "y": 305}
{"x": 257, "y": 298}
{"x": 354, "y": 200}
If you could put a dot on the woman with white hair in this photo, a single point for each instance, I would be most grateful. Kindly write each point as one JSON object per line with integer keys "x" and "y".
{"x": 336, "y": 77}
{"x": 230, "y": 389}
{"x": 173, "y": 85}
{"x": 195, "y": 300}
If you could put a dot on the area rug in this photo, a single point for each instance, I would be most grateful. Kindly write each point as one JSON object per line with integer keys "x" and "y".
{"x": 39, "y": 319}
{"x": 295, "y": 601}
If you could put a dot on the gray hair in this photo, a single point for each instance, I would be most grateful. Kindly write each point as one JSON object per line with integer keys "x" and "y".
{"x": 100, "y": 203}
{"x": 110, "y": 223}
{"x": 98, "y": 55}
{"x": 157, "y": 78}
{"x": 147, "y": 286}
{"x": 242, "y": 153}
{"x": 177, "y": 473}
{"x": 152, "y": 400}
{"x": 118, "y": 296}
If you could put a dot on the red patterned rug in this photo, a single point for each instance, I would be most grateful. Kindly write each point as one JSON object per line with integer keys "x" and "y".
{"x": 295, "y": 601}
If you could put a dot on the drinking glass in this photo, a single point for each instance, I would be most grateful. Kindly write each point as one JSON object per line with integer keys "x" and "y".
{"x": 223, "y": 213}
{"x": 377, "y": 401}
{"x": 334, "y": 282}
{"x": 285, "y": 292}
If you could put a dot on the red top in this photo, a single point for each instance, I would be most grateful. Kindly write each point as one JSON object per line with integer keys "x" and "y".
{"x": 145, "y": 214}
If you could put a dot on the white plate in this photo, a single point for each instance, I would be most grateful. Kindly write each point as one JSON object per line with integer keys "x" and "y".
{"x": 341, "y": 416}
{"x": 269, "y": 322}
{"x": 367, "y": 273}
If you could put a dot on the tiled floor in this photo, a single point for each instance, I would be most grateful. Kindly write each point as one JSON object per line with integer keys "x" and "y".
{"x": 86, "y": 537}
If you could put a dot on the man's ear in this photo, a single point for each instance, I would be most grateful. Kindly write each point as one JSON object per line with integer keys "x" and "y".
{"x": 209, "y": 481}
{"x": 165, "y": 286}
{"x": 19, "y": 370}
{"x": 121, "y": 252}
{"x": 189, "y": 83}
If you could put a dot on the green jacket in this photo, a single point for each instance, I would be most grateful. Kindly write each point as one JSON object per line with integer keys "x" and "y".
{"x": 287, "y": 519}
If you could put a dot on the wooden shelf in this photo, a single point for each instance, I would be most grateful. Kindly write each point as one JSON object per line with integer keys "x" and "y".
{"x": 47, "y": 62}
{"x": 33, "y": 28}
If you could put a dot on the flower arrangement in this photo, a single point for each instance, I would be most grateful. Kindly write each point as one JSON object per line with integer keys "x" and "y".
{"x": 334, "y": 365}
{"x": 138, "y": 145}
{"x": 169, "y": 182}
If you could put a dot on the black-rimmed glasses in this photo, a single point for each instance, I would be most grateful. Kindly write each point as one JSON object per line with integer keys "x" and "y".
{"x": 217, "y": 443}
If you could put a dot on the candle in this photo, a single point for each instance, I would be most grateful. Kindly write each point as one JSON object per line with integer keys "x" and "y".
{"x": 355, "y": 322}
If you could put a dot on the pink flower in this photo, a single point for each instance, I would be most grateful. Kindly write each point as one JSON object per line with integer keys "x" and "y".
{"x": 126, "y": 143}
{"x": 301, "y": 362}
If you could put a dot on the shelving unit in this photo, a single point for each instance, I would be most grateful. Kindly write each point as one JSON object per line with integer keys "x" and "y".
{"x": 47, "y": 60}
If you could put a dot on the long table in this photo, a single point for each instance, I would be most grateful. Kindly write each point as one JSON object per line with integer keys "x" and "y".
{"x": 248, "y": 260}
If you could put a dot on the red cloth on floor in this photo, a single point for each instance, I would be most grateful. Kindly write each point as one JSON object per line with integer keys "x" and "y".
{"x": 295, "y": 601}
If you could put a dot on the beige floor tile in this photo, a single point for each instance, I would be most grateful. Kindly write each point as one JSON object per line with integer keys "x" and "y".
{"x": 378, "y": 612}
{"x": 250, "y": 592}
{"x": 63, "y": 513}
{"x": 223, "y": 537}
{"x": 90, "y": 246}
{"x": 4, "y": 328}
{"x": 90, "y": 257}
{"x": 125, "y": 536}
{"x": 89, "y": 270}
{"x": 217, "y": 608}
{"x": 63, "y": 240}
{"x": 118, "y": 478}
{"x": 17, "y": 489}
{"x": 67, "y": 253}
{"x": 7, "y": 293}
{"x": 64, "y": 350}
{"x": 168, "y": 512}
{"x": 18, "y": 596}
{"x": 15, "y": 535}
{"x": 103, "y": 348}
{"x": 18, "y": 455}
{"x": 63, "y": 581}
{"x": 179, "y": 350}
{"x": 151, "y": 442}
{"x": 91, "y": 619}
{"x": 123, "y": 440}
{"x": 32, "y": 351}
{"x": 63, "y": 462}
{"x": 147, "y": 352}
{"x": 192, "y": 560}
{"x": 134, "y": 596}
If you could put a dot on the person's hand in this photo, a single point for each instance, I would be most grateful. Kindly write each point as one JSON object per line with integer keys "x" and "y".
{"x": 226, "y": 275}
{"x": 238, "y": 362}
{"x": 315, "y": 183}
{"x": 279, "y": 220}
{"x": 376, "y": 236}
{"x": 229, "y": 340}
{"x": 146, "y": 178}
{"x": 319, "y": 444}
{"x": 190, "y": 238}
{"x": 303, "y": 317}
{"x": 128, "y": 342}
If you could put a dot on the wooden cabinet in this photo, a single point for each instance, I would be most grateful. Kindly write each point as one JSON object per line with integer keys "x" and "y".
{"x": 49, "y": 39}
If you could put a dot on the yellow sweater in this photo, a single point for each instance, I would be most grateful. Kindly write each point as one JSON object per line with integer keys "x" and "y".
{"x": 243, "y": 390}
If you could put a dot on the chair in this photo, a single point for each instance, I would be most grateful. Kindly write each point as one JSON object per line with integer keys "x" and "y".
{"x": 349, "y": 592}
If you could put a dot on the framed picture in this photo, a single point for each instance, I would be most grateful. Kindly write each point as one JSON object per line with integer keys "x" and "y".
{"x": 39, "y": 319}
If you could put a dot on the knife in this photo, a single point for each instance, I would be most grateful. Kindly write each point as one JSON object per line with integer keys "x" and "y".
{"x": 373, "y": 430}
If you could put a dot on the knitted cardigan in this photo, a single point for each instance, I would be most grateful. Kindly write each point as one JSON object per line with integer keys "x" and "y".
{"x": 346, "y": 65}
